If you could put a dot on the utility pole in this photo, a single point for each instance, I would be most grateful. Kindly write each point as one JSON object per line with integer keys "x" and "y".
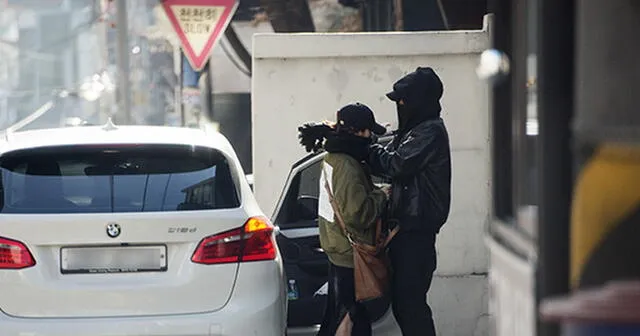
{"x": 399, "y": 18}
{"x": 191, "y": 94}
{"x": 106, "y": 107}
{"x": 124, "y": 86}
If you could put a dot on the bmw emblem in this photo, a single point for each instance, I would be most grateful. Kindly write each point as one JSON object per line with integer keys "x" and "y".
{"x": 113, "y": 230}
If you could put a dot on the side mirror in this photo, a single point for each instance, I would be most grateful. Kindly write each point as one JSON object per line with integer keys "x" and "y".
{"x": 308, "y": 207}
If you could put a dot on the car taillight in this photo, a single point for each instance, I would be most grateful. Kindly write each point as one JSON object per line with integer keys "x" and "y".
{"x": 251, "y": 242}
{"x": 14, "y": 255}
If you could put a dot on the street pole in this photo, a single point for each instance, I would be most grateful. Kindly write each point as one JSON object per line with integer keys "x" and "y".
{"x": 191, "y": 95}
{"x": 399, "y": 18}
{"x": 124, "y": 86}
{"x": 105, "y": 105}
{"x": 206, "y": 93}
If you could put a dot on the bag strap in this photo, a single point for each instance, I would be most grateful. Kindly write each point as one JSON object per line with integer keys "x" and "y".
{"x": 392, "y": 234}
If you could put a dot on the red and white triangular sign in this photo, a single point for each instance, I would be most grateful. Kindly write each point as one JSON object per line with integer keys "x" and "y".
{"x": 199, "y": 25}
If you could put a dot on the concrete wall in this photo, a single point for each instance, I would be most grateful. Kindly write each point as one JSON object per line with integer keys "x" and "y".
{"x": 303, "y": 77}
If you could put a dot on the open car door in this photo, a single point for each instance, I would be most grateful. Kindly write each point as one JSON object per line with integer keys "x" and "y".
{"x": 306, "y": 264}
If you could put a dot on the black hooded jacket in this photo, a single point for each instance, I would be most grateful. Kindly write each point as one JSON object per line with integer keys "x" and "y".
{"x": 418, "y": 160}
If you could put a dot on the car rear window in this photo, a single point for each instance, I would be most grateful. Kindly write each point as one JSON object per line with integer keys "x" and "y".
{"x": 98, "y": 179}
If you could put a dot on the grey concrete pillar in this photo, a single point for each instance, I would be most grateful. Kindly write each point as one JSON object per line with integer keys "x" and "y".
{"x": 608, "y": 71}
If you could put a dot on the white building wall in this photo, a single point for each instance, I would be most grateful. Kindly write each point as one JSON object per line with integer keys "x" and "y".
{"x": 308, "y": 77}
{"x": 8, "y": 65}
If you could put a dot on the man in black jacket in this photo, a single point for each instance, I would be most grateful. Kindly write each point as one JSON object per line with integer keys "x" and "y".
{"x": 418, "y": 162}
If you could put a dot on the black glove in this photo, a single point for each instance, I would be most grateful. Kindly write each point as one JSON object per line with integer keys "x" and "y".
{"x": 312, "y": 135}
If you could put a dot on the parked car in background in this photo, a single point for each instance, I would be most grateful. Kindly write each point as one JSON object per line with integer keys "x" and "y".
{"x": 133, "y": 230}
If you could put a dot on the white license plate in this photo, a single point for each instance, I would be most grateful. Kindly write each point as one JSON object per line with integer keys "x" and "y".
{"x": 113, "y": 259}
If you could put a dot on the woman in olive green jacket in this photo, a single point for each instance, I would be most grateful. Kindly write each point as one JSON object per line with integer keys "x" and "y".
{"x": 359, "y": 202}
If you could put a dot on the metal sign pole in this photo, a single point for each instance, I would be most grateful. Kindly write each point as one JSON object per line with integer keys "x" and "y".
{"x": 191, "y": 98}
{"x": 124, "y": 86}
{"x": 199, "y": 25}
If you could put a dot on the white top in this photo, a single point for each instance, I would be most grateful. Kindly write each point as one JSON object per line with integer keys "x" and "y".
{"x": 325, "y": 210}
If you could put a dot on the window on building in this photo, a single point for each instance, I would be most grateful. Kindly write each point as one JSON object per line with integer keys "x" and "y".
{"x": 515, "y": 124}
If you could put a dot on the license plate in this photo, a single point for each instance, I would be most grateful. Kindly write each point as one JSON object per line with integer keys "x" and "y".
{"x": 113, "y": 259}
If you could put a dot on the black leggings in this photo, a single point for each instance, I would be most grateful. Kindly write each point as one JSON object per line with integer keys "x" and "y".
{"x": 341, "y": 299}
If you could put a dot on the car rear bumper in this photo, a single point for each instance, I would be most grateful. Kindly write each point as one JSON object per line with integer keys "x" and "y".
{"x": 257, "y": 307}
{"x": 262, "y": 323}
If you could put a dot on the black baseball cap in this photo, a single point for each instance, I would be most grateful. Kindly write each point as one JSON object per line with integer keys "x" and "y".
{"x": 423, "y": 83}
{"x": 359, "y": 117}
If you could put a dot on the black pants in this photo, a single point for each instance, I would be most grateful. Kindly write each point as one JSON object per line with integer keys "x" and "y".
{"x": 342, "y": 300}
{"x": 413, "y": 258}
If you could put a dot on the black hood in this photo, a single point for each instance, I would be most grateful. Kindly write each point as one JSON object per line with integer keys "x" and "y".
{"x": 420, "y": 93}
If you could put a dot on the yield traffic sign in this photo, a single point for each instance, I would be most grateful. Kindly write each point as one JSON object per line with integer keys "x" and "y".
{"x": 199, "y": 25}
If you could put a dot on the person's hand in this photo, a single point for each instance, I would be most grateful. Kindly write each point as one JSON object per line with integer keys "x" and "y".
{"x": 386, "y": 189}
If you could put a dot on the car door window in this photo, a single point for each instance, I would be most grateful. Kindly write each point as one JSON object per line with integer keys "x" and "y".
{"x": 300, "y": 206}
{"x": 310, "y": 181}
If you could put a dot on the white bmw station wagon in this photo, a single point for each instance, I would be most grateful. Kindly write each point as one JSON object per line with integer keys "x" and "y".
{"x": 133, "y": 230}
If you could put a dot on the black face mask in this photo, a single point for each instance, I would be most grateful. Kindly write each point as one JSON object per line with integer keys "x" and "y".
{"x": 405, "y": 116}
{"x": 409, "y": 116}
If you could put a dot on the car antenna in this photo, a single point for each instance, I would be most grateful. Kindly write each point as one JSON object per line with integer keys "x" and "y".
{"x": 109, "y": 126}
